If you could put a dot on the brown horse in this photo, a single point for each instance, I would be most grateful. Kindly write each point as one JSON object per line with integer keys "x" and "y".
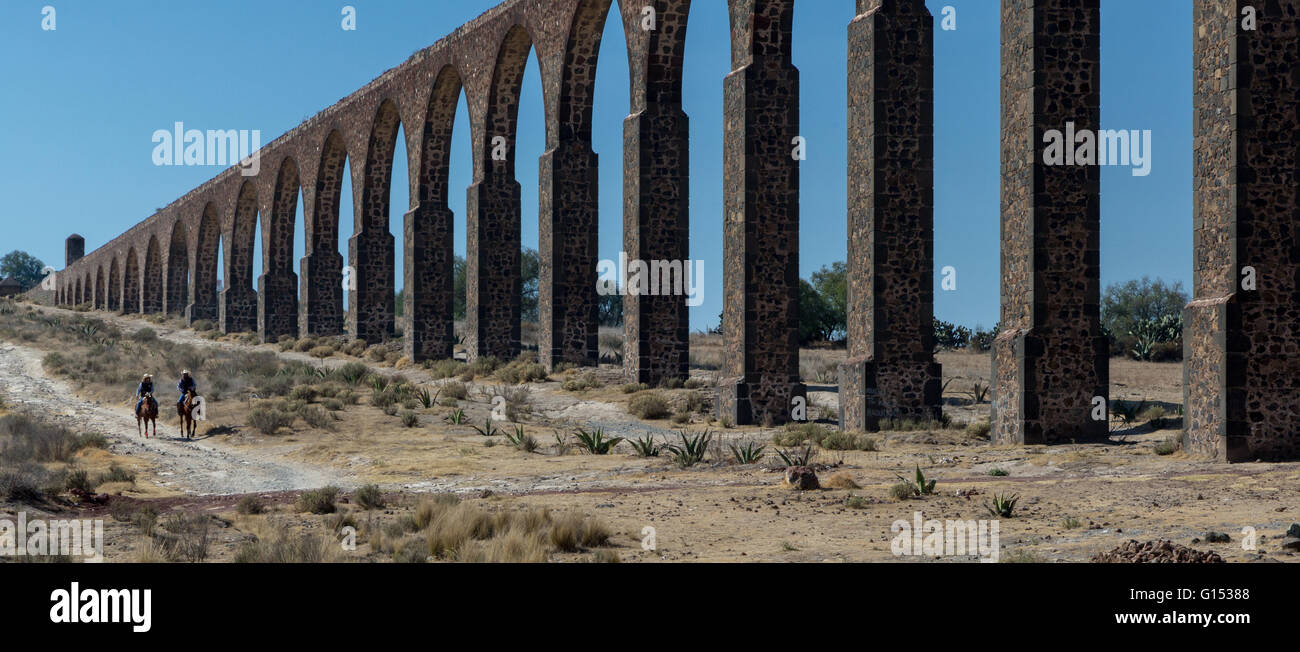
{"x": 185, "y": 410}
{"x": 147, "y": 413}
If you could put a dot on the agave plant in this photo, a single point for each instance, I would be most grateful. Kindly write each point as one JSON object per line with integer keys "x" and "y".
{"x": 1004, "y": 506}
{"x": 489, "y": 429}
{"x": 920, "y": 486}
{"x": 426, "y": 399}
{"x": 796, "y": 458}
{"x": 646, "y": 446}
{"x": 748, "y": 453}
{"x": 519, "y": 439}
{"x": 692, "y": 450}
{"x": 457, "y": 418}
{"x": 595, "y": 442}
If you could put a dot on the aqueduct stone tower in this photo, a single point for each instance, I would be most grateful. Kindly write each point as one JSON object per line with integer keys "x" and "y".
{"x": 1241, "y": 376}
{"x": 1050, "y": 360}
{"x": 1050, "y": 366}
{"x": 891, "y": 372}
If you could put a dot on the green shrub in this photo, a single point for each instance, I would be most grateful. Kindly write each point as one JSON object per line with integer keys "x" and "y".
{"x": 369, "y": 497}
{"x": 116, "y": 474}
{"x": 900, "y": 491}
{"x": 78, "y": 480}
{"x": 318, "y": 501}
{"x": 847, "y": 441}
{"x": 250, "y": 505}
{"x": 648, "y": 405}
{"x": 521, "y": 371}
{"x": 455, "y": 390}
{"x": 796, "y": 434}
{"x": 1168, "y": 446}
{"x": 269, "y": 420}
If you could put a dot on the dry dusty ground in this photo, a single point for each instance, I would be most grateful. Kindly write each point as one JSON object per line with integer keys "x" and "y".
{"x": 1075, "y": 500}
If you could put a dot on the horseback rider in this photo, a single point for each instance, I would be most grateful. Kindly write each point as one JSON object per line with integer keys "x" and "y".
{"x": 144, "y": 390}
{"x": 186, "y": 384}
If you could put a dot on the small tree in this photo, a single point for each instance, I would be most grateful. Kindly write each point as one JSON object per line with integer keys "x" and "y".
{"x": 23, "y": 267}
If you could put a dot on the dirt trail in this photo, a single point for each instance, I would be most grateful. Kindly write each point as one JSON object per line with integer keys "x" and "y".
{"x": 193, "y": 466}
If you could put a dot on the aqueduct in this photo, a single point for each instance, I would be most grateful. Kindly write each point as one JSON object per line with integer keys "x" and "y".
{"x": 1242, "y": 340}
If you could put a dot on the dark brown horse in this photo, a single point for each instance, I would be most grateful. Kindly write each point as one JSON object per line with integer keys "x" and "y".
{"x": 185, "y": 410}
{"x": 144, "y": 415}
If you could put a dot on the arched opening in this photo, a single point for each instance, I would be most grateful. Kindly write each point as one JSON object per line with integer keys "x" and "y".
{"x": 131, "y": 283}
{"x": 321, "y": 305}
{"x": 429, "y": 263}
{"x": 371, "y": 247}
{"x": 207, "y": 250}
{"x": 567, "y": 305}
{"x": 494, "y": 238}
{"x": 178, "y": 270}
{"x": 114, "y": 285}
{"x": 100, "y": 299}
{"x": 658, "y": 186}
{"x": 79, "y": 292}
{"x": 278, "y": 284}
{"x": 238, "y": 299}
{"x": 152, "y": 290}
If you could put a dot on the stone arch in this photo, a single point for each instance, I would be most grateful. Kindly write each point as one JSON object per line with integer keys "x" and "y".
{"x": 321, "y": 305}
{"x": 114, "y": 299}
{"x": 428, "y": 229}
{"x": 238, "y": 299}
{"x": 151, "y": 294}
{"x": 371, "y": 248}
{"x": 656, "y": 205}
{"x": 493, "y": 239}
{"x": 178, "y": 270}
{"x": 78, "y": 292}
{"x": 203, "y": 291}
{"x": 131, "y": 283}
{"x": 278, "y": 287}
{"x": 569, "y": 230}
{"x": 100, "y": 299}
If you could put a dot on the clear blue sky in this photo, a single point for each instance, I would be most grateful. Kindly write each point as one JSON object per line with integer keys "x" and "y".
{"x": 81, "y": 104}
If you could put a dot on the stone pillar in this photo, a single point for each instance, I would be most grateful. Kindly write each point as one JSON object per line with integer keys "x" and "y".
{"x": 131, "y": 290}
{"x": 890, "y": 373}
{"x": 492, "y": 284}
{"x": 277, "y": 303}
{"x": 371, "y": 303}
{"x": 320, "y": 309}
{"x": 568, "y": 228}
{"x": 1050, "y": 360}
{"x": 429, "y": 284}
{"x": 74, "y": 249}
{"x": 151, "y": 299}
{"x": 656, "y": 190}
{"x": 1241, "y": 337}
{"x": 761, "y": 249}
{"x": 237, "y": 312}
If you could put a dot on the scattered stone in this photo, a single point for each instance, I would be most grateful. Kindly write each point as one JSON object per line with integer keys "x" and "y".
{"x": 802, "y": 478}
{"x": 1156, "y": 552}
{"x": 1291, "y": 543}
{"x": 1294, "y": 530}
{"x": 1217, "y": 537}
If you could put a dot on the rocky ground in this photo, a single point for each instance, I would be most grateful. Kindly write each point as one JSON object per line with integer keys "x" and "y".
{"x": 1075, "y": 502}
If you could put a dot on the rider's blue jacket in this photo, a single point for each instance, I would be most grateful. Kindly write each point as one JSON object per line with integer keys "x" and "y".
{"x": 144, "y": 388}
{"x": 186, "y": 383}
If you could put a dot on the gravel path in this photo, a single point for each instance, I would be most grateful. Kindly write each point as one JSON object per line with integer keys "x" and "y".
{"x": 192, "y": 466}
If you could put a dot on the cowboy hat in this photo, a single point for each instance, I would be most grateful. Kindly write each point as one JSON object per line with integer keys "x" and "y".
{"x": 148, "y": 375}
{"x": 185, "y": 372}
